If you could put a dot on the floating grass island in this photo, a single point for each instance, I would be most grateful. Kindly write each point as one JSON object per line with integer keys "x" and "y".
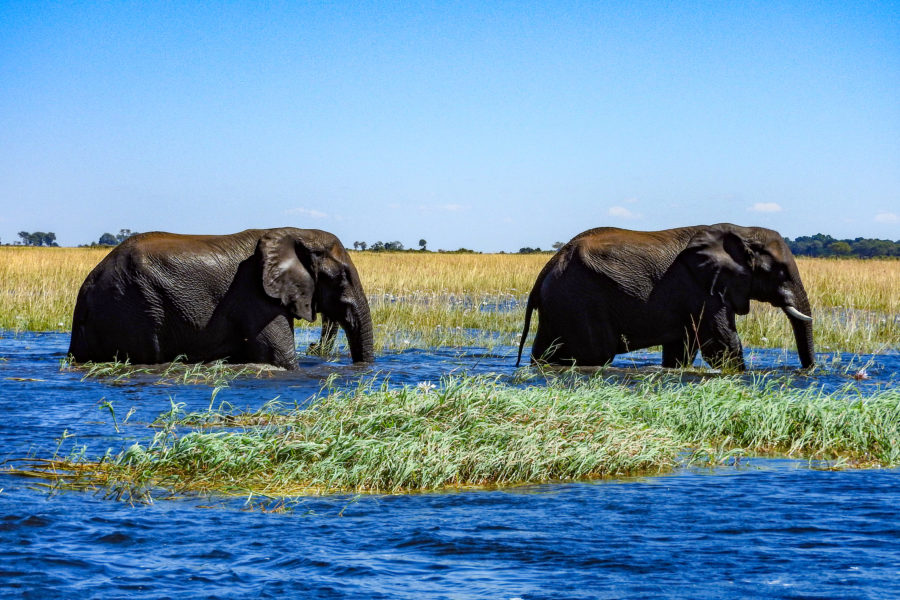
{"x": 480, "y": 431}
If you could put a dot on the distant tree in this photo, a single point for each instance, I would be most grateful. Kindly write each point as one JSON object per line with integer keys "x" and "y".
{"x": 528, "y": 250}
{"x": 558, "y": 245}
{"x": 124, "y": 234}
{"x": 422, "y": 244}
{"x": 107, "y": 239}
{"x": 393, "y": 246}
{"x": 363, "y": 245}
{"x": 378, "y": 247}
{"x": 839, "y": 248}
{"x": 38, "y": 238}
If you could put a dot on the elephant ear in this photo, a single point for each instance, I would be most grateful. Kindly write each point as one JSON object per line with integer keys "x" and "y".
{"x": 719, "y": 259}
{"x": 287, "y": 274}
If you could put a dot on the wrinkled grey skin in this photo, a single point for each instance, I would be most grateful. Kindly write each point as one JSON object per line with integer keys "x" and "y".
{"x": 159, "y": 295}
{"x": 610, "y": 291}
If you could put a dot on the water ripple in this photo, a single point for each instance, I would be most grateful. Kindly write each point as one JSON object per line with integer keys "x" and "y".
{"x": 765, "y": 529}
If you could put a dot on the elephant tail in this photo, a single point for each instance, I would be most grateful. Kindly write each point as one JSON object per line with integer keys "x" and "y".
{"x": 532, "y": 304}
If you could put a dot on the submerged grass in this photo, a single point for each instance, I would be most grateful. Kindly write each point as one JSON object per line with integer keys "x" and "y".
{"x": 216, "y": 373}
{"x": 423, "y": 299}
{"x": 480, "y": 432}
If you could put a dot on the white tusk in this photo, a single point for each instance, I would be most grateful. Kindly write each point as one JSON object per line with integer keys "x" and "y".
{"x": 796, "y": 313}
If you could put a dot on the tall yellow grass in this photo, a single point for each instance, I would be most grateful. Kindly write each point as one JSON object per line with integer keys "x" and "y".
{"x": 422, "y": 299}
{"x": 38, "y": 286}
{"x": 406, "y": 273}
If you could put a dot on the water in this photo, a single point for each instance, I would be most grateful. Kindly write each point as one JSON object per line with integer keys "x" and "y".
{"x": 765, "y": 529}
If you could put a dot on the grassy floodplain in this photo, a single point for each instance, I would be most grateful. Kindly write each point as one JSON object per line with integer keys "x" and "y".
{"x": 424, "y": 299}
{"x": 477, "y": 431}
{"x": 480, "y": 431}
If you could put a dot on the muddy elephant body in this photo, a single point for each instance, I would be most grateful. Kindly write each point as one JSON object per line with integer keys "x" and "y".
{"x": 158, "y": 296}
{"x": 609, "y": 291}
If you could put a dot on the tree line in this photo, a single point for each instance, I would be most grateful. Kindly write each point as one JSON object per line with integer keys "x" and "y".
{"x": 819, "y": 245}
{"x": 48, "y": 238}
{"x": 398, "y": 247}
{"x": 37, "y": 238}
{"x": 825, "y": 245}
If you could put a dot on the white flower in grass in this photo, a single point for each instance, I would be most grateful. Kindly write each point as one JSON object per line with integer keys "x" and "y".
{"x": 426, "y": 386}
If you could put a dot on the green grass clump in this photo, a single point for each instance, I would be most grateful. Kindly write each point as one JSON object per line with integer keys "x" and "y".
{"x": 768, "y": 419}
{"x": 468, "y": 432}
{"x": 481, "y": 432}
{"x": 217, "y": 373}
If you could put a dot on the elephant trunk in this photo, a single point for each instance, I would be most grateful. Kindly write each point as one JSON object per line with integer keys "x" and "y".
{"x": 800, "y": 319}
{"x": 359, "y": 330}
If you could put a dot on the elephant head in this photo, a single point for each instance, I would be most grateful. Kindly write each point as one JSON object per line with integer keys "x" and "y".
{"x": 752, "y": 263}
{"x": 310, "y": 273}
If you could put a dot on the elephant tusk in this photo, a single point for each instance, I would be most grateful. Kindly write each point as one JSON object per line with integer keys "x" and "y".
{"x": 796, "y": 313}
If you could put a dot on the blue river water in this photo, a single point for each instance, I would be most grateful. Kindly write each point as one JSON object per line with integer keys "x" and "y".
{"x": 764, "y": 529}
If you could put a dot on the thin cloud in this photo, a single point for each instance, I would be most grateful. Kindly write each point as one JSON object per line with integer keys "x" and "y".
{"x": 307, "y": 212}
{"x": 887, "y": 217}
{"x": 621, "y": 211}
{"x": 766, "y": 207}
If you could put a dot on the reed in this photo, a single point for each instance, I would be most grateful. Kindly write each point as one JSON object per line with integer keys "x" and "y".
{"x": 456, "y": 275}
{"x": 217, "y": 373}
{"x": 477, "y": 431}
{"x": 423, "y": 299}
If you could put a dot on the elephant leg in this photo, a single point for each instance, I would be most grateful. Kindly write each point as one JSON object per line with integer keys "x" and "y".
{"x": 545, "y": 348}
{"x": 325, "y": 345}
{"x": 720, "y": 345}
{"x": 680, "y": 353}
{"x": 274, "y": 345}
{"x": 586, "y": 347}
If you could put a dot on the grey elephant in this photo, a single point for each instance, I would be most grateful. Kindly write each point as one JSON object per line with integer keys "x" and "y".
{"x": 160, "y": 295}
{"x": 610, "y": 291}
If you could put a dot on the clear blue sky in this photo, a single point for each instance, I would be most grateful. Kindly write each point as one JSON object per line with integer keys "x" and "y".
{"x": 485, "y": 125}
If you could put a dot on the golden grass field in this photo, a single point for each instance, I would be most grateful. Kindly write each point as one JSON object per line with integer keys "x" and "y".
{"x": 425, "y": 299}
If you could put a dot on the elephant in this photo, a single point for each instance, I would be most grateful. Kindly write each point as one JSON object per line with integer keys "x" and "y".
{"x": 609, "y": 291}
{"x": 158, "y": 296}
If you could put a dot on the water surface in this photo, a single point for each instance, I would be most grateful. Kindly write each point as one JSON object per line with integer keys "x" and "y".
{"x": 763, "y": 529}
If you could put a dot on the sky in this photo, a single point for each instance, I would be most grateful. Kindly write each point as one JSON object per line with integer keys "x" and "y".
{"x": 485, "y": 125}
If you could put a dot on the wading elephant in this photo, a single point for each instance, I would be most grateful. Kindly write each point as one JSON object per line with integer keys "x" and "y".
{"x": 160, "y": 295}
{"x": 610, "y": 291}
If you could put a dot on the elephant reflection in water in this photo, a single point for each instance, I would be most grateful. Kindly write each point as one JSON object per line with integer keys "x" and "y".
{"x": 158, "y": 296}
{"x": 609, "y": 291}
